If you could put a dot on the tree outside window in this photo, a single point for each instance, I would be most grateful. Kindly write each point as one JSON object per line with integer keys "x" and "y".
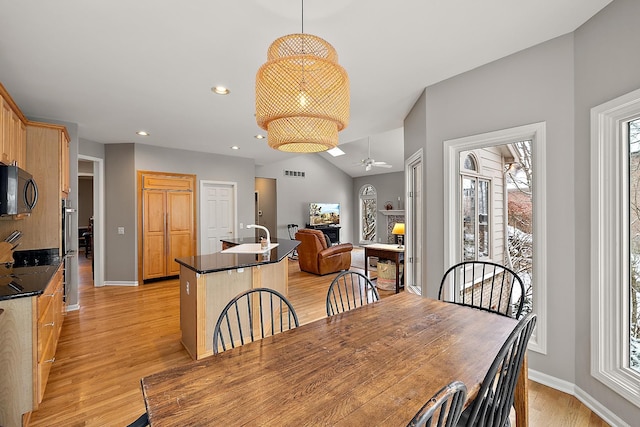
{"x": 634, "y": 243}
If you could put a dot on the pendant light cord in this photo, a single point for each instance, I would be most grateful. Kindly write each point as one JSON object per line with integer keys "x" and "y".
{"x": 302, "y": 17}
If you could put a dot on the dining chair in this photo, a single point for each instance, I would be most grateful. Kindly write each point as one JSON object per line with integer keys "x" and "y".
{"x": 252, "y": 315}
{"x": 493, "y": 403}
{"x": 445, "y": 407}
{"x": 484, "y": 285}
{"x": 349, "y": 290}
{"x": 141, "y": 421}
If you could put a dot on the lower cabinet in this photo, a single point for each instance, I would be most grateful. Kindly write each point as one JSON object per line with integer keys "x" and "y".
{"x": 29, "y": 332}
{"x": 50, "y": 316}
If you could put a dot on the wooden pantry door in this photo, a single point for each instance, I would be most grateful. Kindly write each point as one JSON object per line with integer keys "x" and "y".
{"x": 166, "y": 223}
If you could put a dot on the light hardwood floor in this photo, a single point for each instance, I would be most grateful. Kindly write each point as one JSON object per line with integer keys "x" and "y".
{"x": 121, "y": 334}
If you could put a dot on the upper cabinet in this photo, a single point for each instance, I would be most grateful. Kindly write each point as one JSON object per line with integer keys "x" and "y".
{"x": 46, "y": 145}
{"x": 65, "y": 186}
{"x": 12, "y": 132}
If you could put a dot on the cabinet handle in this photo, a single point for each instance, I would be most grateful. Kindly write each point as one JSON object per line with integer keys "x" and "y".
{"x": 50, "y": 324}
{"x": 49, "y": 360}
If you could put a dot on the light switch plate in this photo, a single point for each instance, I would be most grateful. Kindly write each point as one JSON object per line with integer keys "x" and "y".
{"x": 120, "y": 230}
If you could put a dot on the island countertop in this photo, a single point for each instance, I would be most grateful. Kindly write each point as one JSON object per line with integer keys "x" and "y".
{"x": 210, "y": 263}
{"x": 21, "y": 282}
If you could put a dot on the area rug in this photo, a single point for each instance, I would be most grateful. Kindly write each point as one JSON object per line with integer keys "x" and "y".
{"x": 357, "y": 259}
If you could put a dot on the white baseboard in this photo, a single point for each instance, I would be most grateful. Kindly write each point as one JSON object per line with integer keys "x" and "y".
{"x": 572, "y": 389}
{"x": 72, "y": 307}
{"x": 121, "y": 283}
{"x": 553, "y": 382}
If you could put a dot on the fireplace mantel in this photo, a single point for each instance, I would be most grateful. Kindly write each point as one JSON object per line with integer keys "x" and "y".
{"x": 392, "y": 212}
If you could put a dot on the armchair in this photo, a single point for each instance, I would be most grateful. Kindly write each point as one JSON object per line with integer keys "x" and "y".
{"x": 315, "y": 256}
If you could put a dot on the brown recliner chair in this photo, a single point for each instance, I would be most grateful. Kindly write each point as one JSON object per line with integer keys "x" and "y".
{"x": 315, "y": 256}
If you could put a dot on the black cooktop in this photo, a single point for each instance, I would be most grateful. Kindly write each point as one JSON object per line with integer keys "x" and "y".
{"x": 19, "y": 282}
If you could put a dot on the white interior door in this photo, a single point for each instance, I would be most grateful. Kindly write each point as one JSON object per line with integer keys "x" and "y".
{"x": 217, "y": 214}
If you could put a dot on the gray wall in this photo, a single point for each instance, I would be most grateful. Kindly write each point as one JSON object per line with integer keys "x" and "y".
{"x": 558, "y": 82}
{"x": 91, "y": 148}
{"x": 606, "y": 66}
{"x": 122, "y": 161}
{"x": 323, "y": 183}
{"x": 530, "y": 86}
{"x": 389, "y": 186}
{"x": 121, "y": 256}
{"x": 206, "y": 166}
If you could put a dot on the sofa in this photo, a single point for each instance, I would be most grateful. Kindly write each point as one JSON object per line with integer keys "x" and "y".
{"x": 316, "y": 254}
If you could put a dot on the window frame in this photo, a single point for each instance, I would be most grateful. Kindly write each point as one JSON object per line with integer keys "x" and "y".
{"x": 477, "y": 178}
{"x": 536, "y": 132}
{"x": 361, "y": 198}
{"x": 610, "y": 329}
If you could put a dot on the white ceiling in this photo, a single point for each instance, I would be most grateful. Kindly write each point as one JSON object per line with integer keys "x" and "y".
{"x": 115, "y": 67}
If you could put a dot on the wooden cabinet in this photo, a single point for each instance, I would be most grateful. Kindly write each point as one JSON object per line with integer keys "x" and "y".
{"x": 43, "y": 229}
{"x": 30, "y": 328}
{"x": 65, "y": 185}
{"x": 49, "y": 323}
{"x": 12, "y": 131}
{"x": 167, "y": 222}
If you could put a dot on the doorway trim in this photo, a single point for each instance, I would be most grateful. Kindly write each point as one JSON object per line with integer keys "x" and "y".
{"x": 536, "y": 132}
{"x": 98, "y": 218}
{"x": 234, "y": 188}
{"x": 413, "y": 212}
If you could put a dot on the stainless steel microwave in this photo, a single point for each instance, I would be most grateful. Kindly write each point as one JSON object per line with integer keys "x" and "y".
{"x": 18, "y": 191}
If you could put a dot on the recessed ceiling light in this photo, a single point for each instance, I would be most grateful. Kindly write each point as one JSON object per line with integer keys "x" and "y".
{"x": 335, "y": 152}
{"x": 142, "y": 133}
{"x": 235, "y": 147}
{"x": 220, "y": 90}
{"x": 259, "y": 136}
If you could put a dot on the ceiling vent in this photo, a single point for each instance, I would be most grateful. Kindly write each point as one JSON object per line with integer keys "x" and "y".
{"x": 294, "y": 174}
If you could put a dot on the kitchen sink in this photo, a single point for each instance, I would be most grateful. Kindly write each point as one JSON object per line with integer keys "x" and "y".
{"x": 248, "y": 248}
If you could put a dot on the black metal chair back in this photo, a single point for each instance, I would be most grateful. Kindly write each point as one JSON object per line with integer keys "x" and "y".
{"x": 349, "y": 290}
{"x": 484, "y": 285}
{"x": 252, "y": 315}
{"x": 494, "y": 401}
{"x": 444, "y": 407}
{"x": 293, "y": 229}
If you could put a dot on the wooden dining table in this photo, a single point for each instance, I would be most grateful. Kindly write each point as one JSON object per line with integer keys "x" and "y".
{"x": 374, "y": 365}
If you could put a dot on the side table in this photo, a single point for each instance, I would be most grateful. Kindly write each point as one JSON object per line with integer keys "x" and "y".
{"x": 391, "y": 252}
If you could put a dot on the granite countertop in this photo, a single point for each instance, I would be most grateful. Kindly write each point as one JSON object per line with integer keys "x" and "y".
{"x": 211, "y": 263}
{"x": 21, "y": 282}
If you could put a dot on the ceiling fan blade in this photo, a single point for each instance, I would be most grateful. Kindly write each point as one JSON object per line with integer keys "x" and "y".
{"x": 382, "y": 166}
{"x": 378, "y": 163}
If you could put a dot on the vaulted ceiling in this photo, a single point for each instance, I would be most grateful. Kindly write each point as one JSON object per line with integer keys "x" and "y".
{"x": 116, "y": 67}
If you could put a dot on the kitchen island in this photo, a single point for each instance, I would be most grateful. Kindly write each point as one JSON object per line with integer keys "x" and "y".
{"x": 209, "y": 282}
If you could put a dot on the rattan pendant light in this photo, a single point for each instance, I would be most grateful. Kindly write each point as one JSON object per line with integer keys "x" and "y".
{"x": 302, "y": 94}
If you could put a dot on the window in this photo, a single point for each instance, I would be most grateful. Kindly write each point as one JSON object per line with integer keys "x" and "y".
{"x": 615, "y": 244}
{"x": 475, "y": 217}
{"x": 368, "y": 213}
{"x": 500, "y": 172}
{"x": 633, "y": 132}
{"x": 470, "y": 163}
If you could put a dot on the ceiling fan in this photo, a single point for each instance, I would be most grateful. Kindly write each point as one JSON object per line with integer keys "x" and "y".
{"x": 368, "y": 163}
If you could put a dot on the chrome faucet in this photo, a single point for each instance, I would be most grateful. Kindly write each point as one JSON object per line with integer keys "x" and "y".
{"x": 264, "y": 228}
